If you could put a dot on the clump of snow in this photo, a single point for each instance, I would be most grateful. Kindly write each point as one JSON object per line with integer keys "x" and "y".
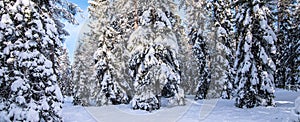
{"x": 168, "y": 41}
{"x": 58, "y": 93}
{"x": 48, "y": 64}
{"x": 10, "y": 60}
{"x": 32, "y": 115}
{"x": 18, "y": 84}
{"x": 19, "y": 17}
{"x": 1, "y": 4}
{"x": 263, "y": 55}
{"x": 20, "y": 100}
{"x": 28, "y": 34}
{"x": 248, "y": 42}
{"x": 6, "y": 19}
{"x": 44, "y": 104}
{"x": 248, "y": 18}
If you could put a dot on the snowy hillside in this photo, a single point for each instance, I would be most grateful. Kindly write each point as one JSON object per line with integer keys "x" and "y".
{"x": 193, "y": 111}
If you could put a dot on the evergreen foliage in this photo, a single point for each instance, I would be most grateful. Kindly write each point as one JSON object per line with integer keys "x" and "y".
{"x": 256, "y": 47}
{"x": 288, "y": 45}
{"x": 154, "y": 65}
{"x": 198, "y": 23}
{"x": 30, "y": 44}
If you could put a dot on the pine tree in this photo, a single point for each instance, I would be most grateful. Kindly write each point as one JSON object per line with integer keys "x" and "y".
{"x": 154, "y": 65}
{"x": 222, "y": 56}
{"x": 254, "y": 64}
{"x": 83, "y": 70}
{"x": 127, "y": 13}
{"x": 198, "y": 22}
{"x": 189, "y": 74}
{"x": 65, "y": 74}
{"x": 187, "y": 61}
{"x": 30, "y": 39}
{"x": 107, "y": 88}
{"x": 296, "y": 69}
{"x": 284, "y": 14}
{"x": 288, "y": 45}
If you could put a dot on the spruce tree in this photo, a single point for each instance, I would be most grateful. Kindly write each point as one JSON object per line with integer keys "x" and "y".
{"x": 83, "y": 70}
{"x": 127, "y": 13}
{"x": 222, "y": 56}
{"x": 107, "y": 88}
{"x": 198, "y": 23}
{"x": 256, "y": 47}
{"x": 188, "y": 64}
{"x": 65, "y": 74}
{"x": 288, "y": 45}
{"x": 153, "y": 64}
{"x": 30, "y": 39}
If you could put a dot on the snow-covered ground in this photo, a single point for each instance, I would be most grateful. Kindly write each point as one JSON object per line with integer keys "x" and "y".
{"x": 73, "y": 113}
{"x": 193, "y": 111}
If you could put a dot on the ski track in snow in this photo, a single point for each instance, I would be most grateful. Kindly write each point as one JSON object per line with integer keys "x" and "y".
{"x": 222, "y": 111}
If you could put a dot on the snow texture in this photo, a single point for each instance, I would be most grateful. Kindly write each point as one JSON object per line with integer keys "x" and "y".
{"x": 295, "y": 113}
{"x": 224, "y": 110}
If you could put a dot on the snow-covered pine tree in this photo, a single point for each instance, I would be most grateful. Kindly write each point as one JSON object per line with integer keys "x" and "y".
{"x": 83, "y": 70}
{"x": 65, "y": 74}
{"x": 254, "y": 64}
{"x": 59, "y": 10}
{"x": 6, "y": 32}
{"x": 127, "y": 13}
{"x": 154, "y": 65}
{"x": 9, "y": 72}
{"x": 30, "y": 39}
{"x": 222, "y": 56}
{"x": 296, "y": 57}
{"x": 284, "y": 16}
{"x": 288, "y": 45}
{"x": 188, "y": 64}
{"x": 81, "y": 74}
{"x": 107, "y": 90}
{"x": 187, "y": 60}
{"x": 198, "y": 22}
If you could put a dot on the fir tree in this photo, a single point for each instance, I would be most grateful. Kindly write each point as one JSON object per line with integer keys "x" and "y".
{"x": 127, "y": 13}
{"x": 188, "y": 63}
{"x": 83, "y": 70}
{"x": 288, "y": 45}
{"x": 154, "y": 65}
{"x": 187, "y": 60}
{"x": 107, "y": 88}
{"x": 30, "y": 39}
{"x": 254, "y": 64}
{"x": 199, "y": 21}
{"x": 65, "y": 74}
{"x": 222, "y": 57}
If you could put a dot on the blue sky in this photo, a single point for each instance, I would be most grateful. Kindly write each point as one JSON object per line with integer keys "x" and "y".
{"x": 75, "y": 30}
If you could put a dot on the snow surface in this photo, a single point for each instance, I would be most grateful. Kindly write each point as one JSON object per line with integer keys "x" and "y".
{"x": 295, "y": 115}
{"x": 194, "y": 111}
{"x": 73, "y": 113}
